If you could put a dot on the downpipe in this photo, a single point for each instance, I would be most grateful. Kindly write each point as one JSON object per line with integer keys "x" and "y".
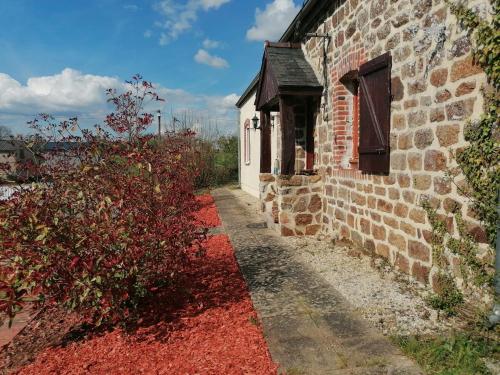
{"x": 495, "y": 314}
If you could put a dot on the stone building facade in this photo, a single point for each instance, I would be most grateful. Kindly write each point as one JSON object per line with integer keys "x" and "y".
{"x": 435, "y": 89}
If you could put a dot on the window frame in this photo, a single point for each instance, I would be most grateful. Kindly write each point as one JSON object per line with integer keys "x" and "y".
{"x": 246, "y": 143}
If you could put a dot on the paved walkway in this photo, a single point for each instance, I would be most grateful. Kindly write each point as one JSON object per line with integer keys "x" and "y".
{"x": 309, "y": 327}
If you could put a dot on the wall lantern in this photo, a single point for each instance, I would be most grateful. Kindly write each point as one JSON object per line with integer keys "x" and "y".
{"x": 255, "y": 122}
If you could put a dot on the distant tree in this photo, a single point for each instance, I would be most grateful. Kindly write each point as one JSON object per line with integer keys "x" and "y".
{"x": 5, "y": 132}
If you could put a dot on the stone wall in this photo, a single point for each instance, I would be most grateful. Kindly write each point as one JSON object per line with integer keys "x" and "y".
{"x": 269, "y": 199}
{"x": 292, "y": 204}
{"x": 436, "y": 88}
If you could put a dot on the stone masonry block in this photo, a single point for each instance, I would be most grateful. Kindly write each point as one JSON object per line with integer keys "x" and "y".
{"x": 303, "y": 219}
{"x": 397, "y": 240}
{"x": 420, "y": 272}
{"x": 434, "y": 161}
{"x": 417, "y": 250}
{"x": 447, "y": 134}
{"x": 463, "y": 69}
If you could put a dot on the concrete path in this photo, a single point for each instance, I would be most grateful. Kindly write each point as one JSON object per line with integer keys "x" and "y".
{"x": 309, "y": 327}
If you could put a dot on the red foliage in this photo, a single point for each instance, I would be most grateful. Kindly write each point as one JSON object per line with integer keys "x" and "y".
{"x": 130, "y": 118}
{"x": 100, "y": 236}
{"x": 108, "y": 223}
{"x": 207, "y": 215}
{"x": 215, "y": 332}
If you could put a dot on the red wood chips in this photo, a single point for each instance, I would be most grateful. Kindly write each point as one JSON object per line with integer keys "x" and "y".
{"x": 215, "y": 330}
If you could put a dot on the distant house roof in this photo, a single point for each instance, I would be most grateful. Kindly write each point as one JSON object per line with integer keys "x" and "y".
{"x": 248, "y": 92}
{"x": 61, "y": 146}
{"x": 13, "y": 145}
{"x": 285, "y": 71}
{"x": 9, "y": 145}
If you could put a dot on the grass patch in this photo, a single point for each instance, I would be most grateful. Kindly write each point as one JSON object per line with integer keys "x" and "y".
{"x": 456, "y": 354}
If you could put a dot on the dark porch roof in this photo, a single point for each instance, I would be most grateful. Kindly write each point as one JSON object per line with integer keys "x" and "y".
{"x": 285, "y": 71}
{"x": 291, "y": 69}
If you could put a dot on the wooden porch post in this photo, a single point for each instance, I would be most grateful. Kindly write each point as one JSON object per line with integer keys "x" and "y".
{"x": 265, "y": 142}
{"x": 310, "y": 106}
{"x": 287, "y": 118}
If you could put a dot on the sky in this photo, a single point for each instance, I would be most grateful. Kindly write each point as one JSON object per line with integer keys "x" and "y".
{"x": 59, "y": 56}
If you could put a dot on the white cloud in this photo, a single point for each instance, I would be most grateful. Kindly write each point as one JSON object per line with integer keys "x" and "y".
{"x": 131, "y": 7}
{"x": 220, "y": 107}
{"x": 272, "y": 22}
{"x": 65, "y": 91}
{"x": 203, "y": 57}
{"x": 179, "y": 17}
{"x": 209, "y": 4}
{"x": 211, "y": 44}
{"x": 72, "y": 93}
{"x": 230, "y": 100}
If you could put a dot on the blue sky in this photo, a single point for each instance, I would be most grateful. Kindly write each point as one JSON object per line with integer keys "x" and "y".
{"x": 58, "y": 56}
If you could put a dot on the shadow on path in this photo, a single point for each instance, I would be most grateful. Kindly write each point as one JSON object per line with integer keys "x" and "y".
{"x": 309, "y": 327}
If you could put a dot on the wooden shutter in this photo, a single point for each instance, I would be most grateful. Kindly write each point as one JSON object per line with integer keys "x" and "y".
{"x": 375, "y": 114}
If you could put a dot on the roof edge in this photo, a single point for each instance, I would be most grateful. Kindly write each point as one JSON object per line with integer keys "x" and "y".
{"x": 249, "y": 90}
{"x": 284, "y": 41}
{"x": 305, "y": 9}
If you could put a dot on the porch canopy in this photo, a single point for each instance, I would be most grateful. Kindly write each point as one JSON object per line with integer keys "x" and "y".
{"x": 287, "y": 84}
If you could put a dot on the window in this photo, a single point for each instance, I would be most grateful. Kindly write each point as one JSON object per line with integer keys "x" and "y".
{"x": 375, "y": 112}
{"x": 351, "y": 83}
{"x": 246, "y": 142}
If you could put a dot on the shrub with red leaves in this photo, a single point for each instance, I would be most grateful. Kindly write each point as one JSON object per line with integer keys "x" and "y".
{"x": 109, "y": 220}
{"x": 214, "y": 331}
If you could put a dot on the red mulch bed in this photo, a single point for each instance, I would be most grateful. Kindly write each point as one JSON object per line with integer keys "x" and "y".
{"x": 212, "y": 329}
{"x": 207, "y": 215}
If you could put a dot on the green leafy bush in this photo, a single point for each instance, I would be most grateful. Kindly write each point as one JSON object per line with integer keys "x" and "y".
{"x": 216, "y": 160}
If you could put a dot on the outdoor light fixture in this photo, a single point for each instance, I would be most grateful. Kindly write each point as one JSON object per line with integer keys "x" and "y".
{"x": 255, "y": 121}
{"x": 272, "y": 121}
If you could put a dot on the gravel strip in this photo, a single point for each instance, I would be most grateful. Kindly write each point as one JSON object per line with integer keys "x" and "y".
{"x": 389, "y": 300}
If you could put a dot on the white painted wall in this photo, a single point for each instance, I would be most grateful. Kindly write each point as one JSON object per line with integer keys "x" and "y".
{"x": 249, "y": 170}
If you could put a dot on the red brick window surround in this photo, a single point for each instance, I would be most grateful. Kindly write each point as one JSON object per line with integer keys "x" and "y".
{"x": 351, "y": 99}
{"x": 246, "y": 142}
{"x": 346, "y": 109}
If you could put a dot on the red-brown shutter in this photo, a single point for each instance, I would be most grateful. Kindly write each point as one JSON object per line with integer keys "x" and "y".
{"x": 375, "y": 114}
